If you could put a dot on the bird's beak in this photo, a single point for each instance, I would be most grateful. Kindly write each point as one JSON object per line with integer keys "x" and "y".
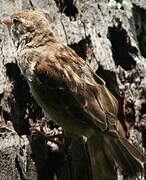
{"x": 7, "y": 21}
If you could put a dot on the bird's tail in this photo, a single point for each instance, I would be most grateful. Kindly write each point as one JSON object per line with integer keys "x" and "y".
{"x": 109, "y": 152}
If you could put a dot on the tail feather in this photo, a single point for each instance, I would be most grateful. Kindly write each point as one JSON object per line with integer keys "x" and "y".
{"x": 127, "y": 156}
{"x": 132, "y": 150}
{"x": 102, "y": 163}
{"x": 107, "y": 152}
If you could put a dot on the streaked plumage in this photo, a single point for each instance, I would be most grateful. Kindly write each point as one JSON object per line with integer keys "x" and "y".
{"x": 76, "y": 98}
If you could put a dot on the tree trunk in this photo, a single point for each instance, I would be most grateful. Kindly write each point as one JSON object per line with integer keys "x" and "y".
{"x": 111, "y": 37}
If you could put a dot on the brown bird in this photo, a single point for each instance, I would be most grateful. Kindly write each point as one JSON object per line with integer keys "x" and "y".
{"x": 72, "y": 95}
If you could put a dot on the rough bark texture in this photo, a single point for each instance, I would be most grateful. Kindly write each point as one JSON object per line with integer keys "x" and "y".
{"x": 111, "y": 37}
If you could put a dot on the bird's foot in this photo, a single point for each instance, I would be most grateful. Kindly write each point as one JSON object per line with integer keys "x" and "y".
{"x": 42, "y": 135}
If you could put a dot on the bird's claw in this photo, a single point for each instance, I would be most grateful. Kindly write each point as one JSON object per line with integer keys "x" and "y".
{"x": 41, "y": 134}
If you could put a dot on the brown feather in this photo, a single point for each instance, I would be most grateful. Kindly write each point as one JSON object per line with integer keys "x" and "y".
{"x": 76, "y": 98}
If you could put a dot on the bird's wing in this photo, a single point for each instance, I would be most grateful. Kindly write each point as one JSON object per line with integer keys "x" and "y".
{"x": 72, "y": 81}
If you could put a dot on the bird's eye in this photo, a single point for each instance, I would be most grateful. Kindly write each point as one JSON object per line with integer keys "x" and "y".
{"x": 16, "y": 21}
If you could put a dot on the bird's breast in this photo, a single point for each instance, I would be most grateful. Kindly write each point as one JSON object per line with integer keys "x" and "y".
{"x": 70, "y": 118}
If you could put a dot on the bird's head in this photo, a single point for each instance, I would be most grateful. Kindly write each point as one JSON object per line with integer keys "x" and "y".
{"x": 27, "y": 24}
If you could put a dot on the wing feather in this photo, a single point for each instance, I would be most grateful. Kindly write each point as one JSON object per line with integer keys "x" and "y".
{"x": 74, "y": 82}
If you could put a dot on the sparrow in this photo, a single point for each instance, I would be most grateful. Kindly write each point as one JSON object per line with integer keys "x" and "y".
{"x": 71, "y": 94}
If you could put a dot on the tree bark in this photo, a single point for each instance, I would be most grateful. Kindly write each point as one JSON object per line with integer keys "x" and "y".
{"x": 111, "y": 37}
